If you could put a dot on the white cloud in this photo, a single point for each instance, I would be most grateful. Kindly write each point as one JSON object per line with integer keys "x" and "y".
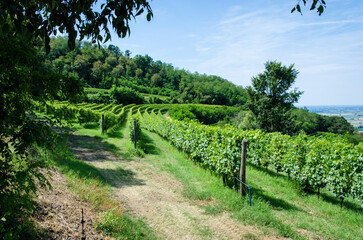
{"x": 243, "y": 41}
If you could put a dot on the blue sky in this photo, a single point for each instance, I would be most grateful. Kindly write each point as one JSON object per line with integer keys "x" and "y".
{"x": 234, "y": 38}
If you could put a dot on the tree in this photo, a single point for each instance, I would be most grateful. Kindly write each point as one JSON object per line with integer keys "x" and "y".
{"x": 26, "y": 78}
{"x": 115, "y": 50}
{"x": 156, "y": 80}
{"x": 112, "y": 61}
{"x": 270, "y": 99}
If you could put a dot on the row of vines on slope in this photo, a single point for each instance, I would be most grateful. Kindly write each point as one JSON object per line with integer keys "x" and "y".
{"x": 86, "y": 113}
{"x": 314, "y": 162}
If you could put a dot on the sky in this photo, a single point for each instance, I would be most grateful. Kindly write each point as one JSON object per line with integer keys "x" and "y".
{"x": 233, "y": 39}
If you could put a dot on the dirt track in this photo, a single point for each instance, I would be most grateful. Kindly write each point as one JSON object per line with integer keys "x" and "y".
{"x": 157, "y": 198}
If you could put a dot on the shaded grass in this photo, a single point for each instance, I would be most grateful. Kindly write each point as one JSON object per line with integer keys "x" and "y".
{"x": 276, "y": 205}
{"x": 200, "y": 185}
{"x": 89, "y": 184}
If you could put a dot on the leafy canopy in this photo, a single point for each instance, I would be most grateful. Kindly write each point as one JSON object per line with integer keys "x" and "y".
{"x": 270, "y": 99}
{"x": 46, "y": 17}
{"x": 26, "y": 77}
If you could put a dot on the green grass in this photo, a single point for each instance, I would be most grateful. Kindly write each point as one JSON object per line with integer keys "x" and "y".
{"x": 277, "y": 207}
{"x": 87, "y": 182}
{"x": 276, "y": 204}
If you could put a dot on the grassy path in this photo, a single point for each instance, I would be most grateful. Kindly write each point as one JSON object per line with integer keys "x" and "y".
{"x": 182, "y": 201}
{"x": 150, "y": 191}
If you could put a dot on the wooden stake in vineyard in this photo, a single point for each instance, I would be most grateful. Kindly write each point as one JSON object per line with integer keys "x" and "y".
{"x": 242, "y": 173}
{"x": 134, "y": 125}
{"x": 102, "y": 124}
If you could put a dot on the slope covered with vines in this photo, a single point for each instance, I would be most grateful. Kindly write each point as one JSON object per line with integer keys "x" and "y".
{"x": 314, "y": 162}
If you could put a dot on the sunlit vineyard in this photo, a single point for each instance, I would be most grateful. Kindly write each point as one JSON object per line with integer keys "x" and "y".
{"x": 312, "y": 162}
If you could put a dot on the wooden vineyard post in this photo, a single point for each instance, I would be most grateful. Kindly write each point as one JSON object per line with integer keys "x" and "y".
{"x": 242, "y": 173}
{"x": 134, "y": 124}
{"x": 102, "y": 124}
{"x": 83, "y": 232}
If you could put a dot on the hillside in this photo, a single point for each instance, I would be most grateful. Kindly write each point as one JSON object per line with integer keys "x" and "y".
{"x": 106, "y": 66}
{"x": 114, "y": 77}
{"x": 186, "y": 188}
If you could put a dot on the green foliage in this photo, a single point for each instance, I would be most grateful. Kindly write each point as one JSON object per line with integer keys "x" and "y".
{"x": 126, "y": 95}
{"x": 110, "y": 120}
{"x": 109, "y": 223}
{"x": 319, "y": 9}
{"x": 312, "y": 123}
{"x": 270, "y": 99}
{"x": 19, "y": 176}
{"x": 87, "y": 116}
{"x": 134, "y": 128}
{"x": 26, "y": 77}
{"x": 245, "y": 120}
{"x": 182, "y": 114}
{"x": 99, "y": 67}
{"x": 315, "y": 162}
{"x": 42, "y": 19}
{"x": 99, "y": 97}
{"x": 207, "y": 114}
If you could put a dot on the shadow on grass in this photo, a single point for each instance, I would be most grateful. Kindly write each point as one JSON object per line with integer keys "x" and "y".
{"x": 76, "y": 164}
{"x": 269, "y": 172}
{"x": 346, "y": 204}
{"x": 70, "y": 165}
{"x": 92, "y": 147}
{"x": 148, "y": 145}
{"x": 93, "y": 126}
{"x": 276, "y": 204}
{"x": 120, "y": 177}
{"x": 324, "y": 196}
{"x": 117, "y": 132}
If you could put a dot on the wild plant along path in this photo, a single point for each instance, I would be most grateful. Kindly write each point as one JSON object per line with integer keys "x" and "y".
{"x": 156, "y": 196}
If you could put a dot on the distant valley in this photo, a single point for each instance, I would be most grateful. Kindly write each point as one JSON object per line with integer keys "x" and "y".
{"x": 353, "y": 113}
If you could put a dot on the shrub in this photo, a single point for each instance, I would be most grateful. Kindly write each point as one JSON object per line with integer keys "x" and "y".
{"x": 109, "y": 223}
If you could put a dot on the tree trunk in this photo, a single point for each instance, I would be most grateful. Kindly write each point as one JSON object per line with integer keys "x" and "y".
{"x": 341, "y": 202}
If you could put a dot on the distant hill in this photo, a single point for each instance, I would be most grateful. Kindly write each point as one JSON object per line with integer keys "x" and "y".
{"x": 107, "y": 66}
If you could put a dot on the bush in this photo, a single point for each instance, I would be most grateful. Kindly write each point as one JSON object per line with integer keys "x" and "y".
{"x": 100, "y": 97}
{"x": 19, "y": 175}
{"x": 181, "y": 114}
{"x": 126, "y": 95}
